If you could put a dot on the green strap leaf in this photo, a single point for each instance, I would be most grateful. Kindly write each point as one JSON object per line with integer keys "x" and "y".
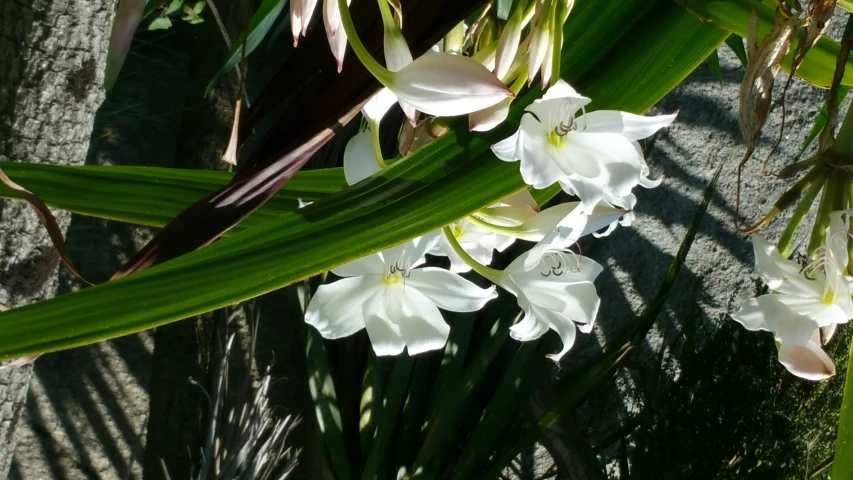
{"x": 842, "y": 466}
{"x": 152, "y": 195}
{"x": 261, "y": 22}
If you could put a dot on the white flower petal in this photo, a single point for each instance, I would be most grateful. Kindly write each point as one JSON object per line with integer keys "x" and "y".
{"x": 508, "y": 46}
{"x": 588, "y": 191}
{"x": 565, "y": 329}
{"x": 410, "y": 253}
{"x": 359, "y": 159}
{"x": 449, "y": 291}
{"x": 336, "y": 309}
{"x": 819, "y": 312}
{"x": 767, "y": 312}
{"x": 543, "y": 165}
{"x": 582, "y": 303}
{"x": 780, "y": 274}
{"x": 630, "y": 126}
{"x": 421, "y": 324}
{"x": 506, "y": 149}
{"x": 489, "y": 118}
{"x": 561, "y": 89}
{"x": 529, "y": 328}
{"x": 806, "y": 361}
{"x": 446, "y": 85}
{"x": 397, "y": 53}
{"x": 368, "y": 265}
{"x": 616, "y": 156}
{"x": 384, "y": 333}
{"x": 378, "y": 105}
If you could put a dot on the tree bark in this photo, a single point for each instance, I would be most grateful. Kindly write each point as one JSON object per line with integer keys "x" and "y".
{"x": 52, "y": 57}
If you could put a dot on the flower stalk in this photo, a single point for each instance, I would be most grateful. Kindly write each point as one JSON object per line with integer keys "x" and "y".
{"x": 381, "y": 73}
{"x": 802, "y": 209}
{"x": 488, "y": 273}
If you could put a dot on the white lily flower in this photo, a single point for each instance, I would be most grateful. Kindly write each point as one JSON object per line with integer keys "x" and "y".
{"x": 447, "y": 85}
{"x": 437, "y": 84}
{"x": 337, "y": 36}
{"x": 396, "y": 302}
{"x": 807, "y": 298}
{"x": 359, "y": 159}
{"x": 592, "y": 156}
{"x": 555, "y": 289}
{"x": 807, "y": 361}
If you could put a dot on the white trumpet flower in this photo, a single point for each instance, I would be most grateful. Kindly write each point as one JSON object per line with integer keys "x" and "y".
{"x": 593, "y": 156}
{"x": 395, "y": 301}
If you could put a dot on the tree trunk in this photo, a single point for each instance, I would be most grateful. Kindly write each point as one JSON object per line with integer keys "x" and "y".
{"x": 52, "y": 56}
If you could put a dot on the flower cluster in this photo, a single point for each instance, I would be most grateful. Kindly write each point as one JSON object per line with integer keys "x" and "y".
{"x": 807, "y": 303}
{"x": 592, "y": 156}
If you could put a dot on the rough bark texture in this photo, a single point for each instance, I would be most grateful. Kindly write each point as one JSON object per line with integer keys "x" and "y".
{"x": 52, "y": 57}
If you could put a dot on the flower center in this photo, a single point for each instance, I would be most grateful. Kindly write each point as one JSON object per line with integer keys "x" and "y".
{"x": 559, "y": 263}
{"x": 396, "y": 272}
{"x": 828, "y": 296}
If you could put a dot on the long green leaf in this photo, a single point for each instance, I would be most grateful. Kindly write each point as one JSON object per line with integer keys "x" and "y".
{"x": 262, "y": 20}
{"x": 733, "y": 15}
{"x": 448, "y": 179}
{"x": 152, "y": 195}
{"x": 842, "y": 466}
{"x": 395, "y": 392}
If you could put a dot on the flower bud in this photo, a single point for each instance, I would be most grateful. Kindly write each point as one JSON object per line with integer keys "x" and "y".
{"x": 446, "y": 85}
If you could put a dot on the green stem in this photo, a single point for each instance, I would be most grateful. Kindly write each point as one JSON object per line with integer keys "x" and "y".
{"x": 802, "y": 209}
{"x": 490, "y": 274}
{"x": 842, "y": 466}
{"x": 514, "y": 232}
{"x": 387, "y": 16}
{"x": 849, "y": 204}
{"x": 373, "y": 127}
{"x": 826, "y": 206}
{"x": 381, "y": 73}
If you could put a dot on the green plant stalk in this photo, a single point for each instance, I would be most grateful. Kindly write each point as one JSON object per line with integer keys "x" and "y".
{"x": 375, "y": 141}
{"x": 387, "y": 16}
{"x": 828, "y": 201}
{"x": 455, "y": 38}
{"x": 790, "y": 170}
{"x": 395, "y": 392}
{"x": 802, "y": 209}
{"x": 449, "y": 407}
{"x": 412, "y": 420}
{"x": 370, "y": 404}
{"x": 842, "y": 466}
{"x": 849, "y": 189}
{"x": 381, "y": 73}
{"x": 489, "y": 274}
{"x": 322, "y": 388}
{"x": 499, "y": 413}
{"x": 453, "y": 358}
